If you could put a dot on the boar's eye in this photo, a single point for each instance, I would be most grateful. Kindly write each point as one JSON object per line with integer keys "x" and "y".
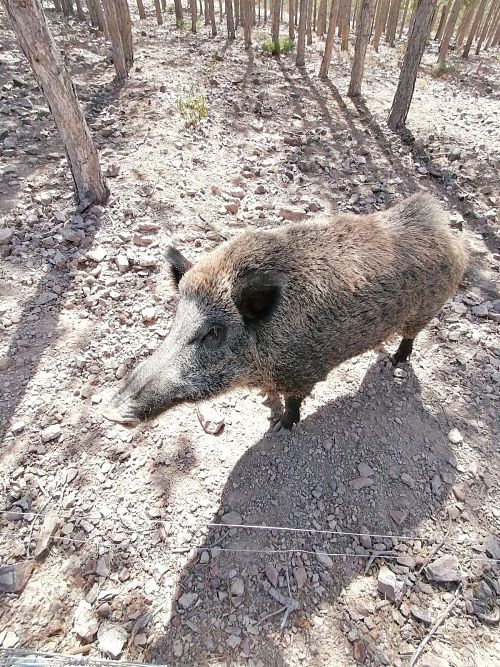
{"x": 214, "y": 338}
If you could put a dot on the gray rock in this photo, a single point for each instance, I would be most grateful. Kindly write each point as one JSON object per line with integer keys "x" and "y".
{"x": 84, "y": 622}
{"x": 13, "y": 578}
{"x": 421, "y": 614}
{"x": 292, "y": 213}
{"x": 300, "y": 575}
{"x": 365, "y": 470}
{"x": 97, "y": 254}
{"x": 5, "y": 363}
{"x": 6, "y": 235}
{"x": 454, "y": 436}
{"x": 324, "y": 559}
{"x": 360, "y": 483}
{"x": 271, "y": 574}
{"x": 492, "y": 546}
{"x": 187, "y": 600}
{"x": 111, "y": 638}
{"x": 237, "y": 587}
{"x": 49, "y": 527}
{"x": 122, "y": 263}
{"x": 444, "y": 569}
{"x": 232, "y": 519}
{"x": 389, "y": 585}
{"x": 50, "y": 433}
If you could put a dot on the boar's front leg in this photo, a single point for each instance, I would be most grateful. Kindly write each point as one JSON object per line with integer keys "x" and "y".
{"x": 291, "y": 416}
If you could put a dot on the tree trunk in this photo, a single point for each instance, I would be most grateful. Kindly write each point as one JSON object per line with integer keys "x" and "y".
{"x": 125, "y": 25}
{"x": 301, "y": 35}
{"x": 321, "y": 26}
{"x": 229, "y": 20}
{"x": 448, "y": 32}
{"x": 237, "y": 17}
{"x": 67, "y": 7}
{"x": 101, "y": 17}
{"x": 247, "y": 22}
{"x": 403, "y": 20}
{"x": 159, "y": 17}
{"x": 207, "y": 12}
{"x": 265, "y": 12}
{"x": 221, "y": 12}
{"x": 382, "y": 10}
{"x": 442, "y": 22}
{"x": 291, "y": 19}
{"x": 309, "y": 22}
{"x": 179, "y": 16}
{"x": 116, "y": 39}
{"x": 490, "y": 38}
{"x": 80, "y": 15}
{"x": 213, "y": 23}
{"x": 140, "y": 7}
{"x": 362, "y": 39}
{"x": 164, "y": 5}
{"x": 496, "y": 38}
{"x": 392, "y": 22}
{"x": 484, "y": 31}
{"x": 194, "y": 16}
{"x": 330, "y": 36}
{"x": 92, "y": 14}
{"x": 57, "y": 6}
{"x": 275, "y": 26}
{"x": 465, "y": 22}
{"x": 475, "y": 27}
{"x": 32, "y": 31}
{"x": 345, "y": 25}
{"x": 417, "y": 40}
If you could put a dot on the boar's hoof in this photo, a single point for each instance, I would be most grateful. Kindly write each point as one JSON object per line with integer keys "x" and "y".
{"x": 124, "y": 417}
{"x": 281, "y": 426}
{"x": 403, "y": 352}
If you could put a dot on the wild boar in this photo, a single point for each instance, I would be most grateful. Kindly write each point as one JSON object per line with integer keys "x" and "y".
{"x": 278, "y": 310}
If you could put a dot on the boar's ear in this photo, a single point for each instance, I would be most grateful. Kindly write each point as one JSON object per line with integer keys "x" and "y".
{"x": 177, "y": 263}
{"x": 257, "y": 295}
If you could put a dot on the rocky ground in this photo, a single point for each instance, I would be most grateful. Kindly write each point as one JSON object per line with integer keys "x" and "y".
{"x": 126, "y": 543}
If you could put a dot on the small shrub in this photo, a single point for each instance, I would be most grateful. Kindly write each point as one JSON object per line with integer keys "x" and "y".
{"x": 192, "y": 106}
{"x": 284, "y": 45}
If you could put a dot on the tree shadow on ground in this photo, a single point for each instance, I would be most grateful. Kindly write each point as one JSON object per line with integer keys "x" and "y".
{"x": 307, "y": 480}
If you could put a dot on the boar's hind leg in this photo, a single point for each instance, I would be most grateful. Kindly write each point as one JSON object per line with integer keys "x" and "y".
{"x": 403, "y": 351}
{"x": 291, "y": 416}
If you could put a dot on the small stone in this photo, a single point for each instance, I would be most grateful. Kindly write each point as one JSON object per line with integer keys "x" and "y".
{"x": 420, "y": 614}
{"x": 46, "y": 297}
{"x": 232, "y": 207}
{"x": 104, "y": 610}
{"x": 260, "y": 190}
{"x": 300, "y": 575}
{"x": 178, "y": 648}
{"x": 5, "y": 235}
{"x": 111, "y": 638}
{"x": 359, "y": 651}
{"x": 444, "y": 569}
{"x": 210, "y": 420}
{"x": 103, "y": 567}
{"x": 480, "y": 311}
{"x": 365, "y": 470}
{"x": 49, "y": 527}
{"x": 398, "y": 516}
{"x": 360, "y": 483}
{"x": 71, "y": 235}
{"x": 492, "y": 546}
{"x": 5, "y": 363}
{"x": 148, "y": 314}
{"x": 8, "y": 639}
{"x": 122, "y": 263}
{"x": 187, "y": 600}
{"x": 204, "y": 558}
{"x": 458, "y": 492}
{"x": 13, "y": 578}
{"x": 239, "y": 193}
{"x": 84, "y": 623}
{"x": 112, "y": 170}
{"x": 454, "y": 436}
{"x": 365, "y": 539}
{"x": 142, "y": 241}
{"x": 140, "y": 640}
{"x": 408, "y": 480}
{"x": 432, "y": 660}
{"x": 271, "y": 574}
{"x": 232, "y": 519}
{"x": 97, "y": 255}
{"x": 389, "y": 586}
{"x": 51, "y": 433}
{"x": 237, "y": 587}
{"x": 233, "y": 641}
{"x": 324, "y": 559}
{"x": 293, "y": 213}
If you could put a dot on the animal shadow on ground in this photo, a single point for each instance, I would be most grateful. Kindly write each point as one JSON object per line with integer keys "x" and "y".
{"x": 309, "y": 479}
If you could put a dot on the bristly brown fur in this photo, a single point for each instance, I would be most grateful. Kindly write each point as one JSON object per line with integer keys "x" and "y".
{"x": 347, "y": 284}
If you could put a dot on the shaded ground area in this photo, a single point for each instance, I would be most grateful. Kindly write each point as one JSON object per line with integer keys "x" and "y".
{"x": 372, "y": 455}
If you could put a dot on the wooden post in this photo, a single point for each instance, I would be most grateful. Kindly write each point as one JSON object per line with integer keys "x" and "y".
{"x": 362, "y": 39}
{"x": 32, "y": 31}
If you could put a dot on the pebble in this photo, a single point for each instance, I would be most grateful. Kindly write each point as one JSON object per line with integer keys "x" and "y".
{"x": 84, "y": 623}
{"x": 232, "y": 519}
{"x": 8, "y": 639}
{"x": 5, "y": 363}
{"x": 454, "y": 436}
{"x": 13, "y": 578}
{"x": 177, "y": 648}
{"x": 5, "y": 235}
{"x": 492, "y": 546}
{"x": 359, "y": 651}
{"x": 300, "y": 575}
{"x": 444, "y": 569}
{"x": 122, "y": 263}
{"x": 49, "y": 527}
{"x": 389, "y": 585}
{"x": 271, "y": 574}
{"x": 324, "y": 559}
{"x": 97, "y": 254}
{"x": 148, "y": 314}
{"x": 292, "y": 213}
{"x": 408, "y": 480}
{"x": 365, "y": 470}
{"x": 51, "y": 433}
{"x": 187, "y": 600}
{"x": 111, "y": 638}
{"x": 360, "y": 482}
{"x": 420, "y": 614}
{"x": 211, "y": 421}
{"x": 237, "y": 587}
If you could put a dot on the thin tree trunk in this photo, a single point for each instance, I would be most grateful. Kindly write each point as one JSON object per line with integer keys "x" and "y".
{"x": 229, "y": 20}
{"x": 164, "y": 5}
{"x": 442, "y": 22}
{"x": 296, "y": 13}
{"x": 309, "y": 22}
{"x": 362, "y": 39}
{"x": 301, "y": 35}
{"x": 80, "y": 15}
{"x": 101, "y": 17}
{"x": 330, "y": 36}
{"x": 484, "y": 30}
{"x": 92, "y": 14}
{"x": 490, "y": 35}
{"x": 67, "y": 7}
{"x": 194, "y": 16}
{"x": 382, "y": 9}
{"x": 159, "y": 17}
{"x": 32, "y": 31}
{"x": 57, "y": 6}
{"x": 409, "y": 70}
{"x": 140, "y": 7}
{"x": 291, "y": 19}
{"x": 475, "y": 27}
{"x": 221, "y": 12}
{"x": 392, "y": 22}
{"x": 321, "y": 26}
{"x": 125, "y": 25}
{"x": 275, "y": 26}
{"x": 237, "y": 17}
{"x": 448, "y": 32}
{"x": 247, "y": 22}
{"x": 116, "y": 39}
{"x": 345, "y": 25}
{"x": 265, "y": 12}
{"x": 465, "y": 23}
{"x": 213, "y": 23}
{"x": 496, "y": 38}
{"x": 179, "y": 16}
{"x": 207, "y": 12}
{"x": 315, "y": 14}
{"x": 403, "y": 20}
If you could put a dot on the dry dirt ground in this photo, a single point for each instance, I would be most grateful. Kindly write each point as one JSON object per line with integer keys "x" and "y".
{"x": 127, "y": 562}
